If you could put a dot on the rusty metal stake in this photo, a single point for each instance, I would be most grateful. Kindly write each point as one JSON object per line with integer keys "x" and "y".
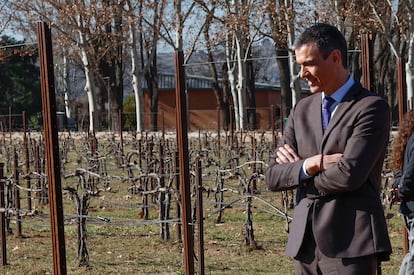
{"x": 10, "y": 123}
{"x": 366, "y": 61}
{"x": 402, "y": 98}
{"x": 47, "y": 81}
{"x": 200, "y": 217}
{"x": 2, "y": 218}
{"x": 177, "y": 186}
{"x": 182, "y": 142}
{"x": 27, "y": 163}
{"x": 16, "y": 192}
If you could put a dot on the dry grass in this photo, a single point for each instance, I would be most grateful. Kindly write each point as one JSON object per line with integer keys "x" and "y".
{"x": 139, "y": 249}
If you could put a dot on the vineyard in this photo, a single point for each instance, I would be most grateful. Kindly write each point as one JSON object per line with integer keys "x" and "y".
{"x": 121, "y": 200}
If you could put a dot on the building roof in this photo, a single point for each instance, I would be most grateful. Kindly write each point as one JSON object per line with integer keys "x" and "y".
{"x": 167, "y": 81}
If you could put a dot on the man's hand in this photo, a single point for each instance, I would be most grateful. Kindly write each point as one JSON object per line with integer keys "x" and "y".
{"x": 318, "y": 163}
{"x": 286, "y": 154}
{"x": 314, "y": 164}
{"x": 330, "y": 160}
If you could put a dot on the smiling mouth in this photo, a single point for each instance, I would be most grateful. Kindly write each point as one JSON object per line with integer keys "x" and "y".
{"x": 311, "y": 83}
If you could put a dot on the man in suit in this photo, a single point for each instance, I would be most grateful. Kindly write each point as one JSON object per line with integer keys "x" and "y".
{"x": 338, "y": 224}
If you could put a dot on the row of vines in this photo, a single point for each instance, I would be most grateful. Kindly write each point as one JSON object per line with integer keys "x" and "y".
{"x": 139, "y": 172}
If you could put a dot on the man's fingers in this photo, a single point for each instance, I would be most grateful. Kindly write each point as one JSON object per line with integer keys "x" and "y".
{"x": 293, "y": 156}
{"x": 286, "y": 154}
{"x": 281, "y": 157}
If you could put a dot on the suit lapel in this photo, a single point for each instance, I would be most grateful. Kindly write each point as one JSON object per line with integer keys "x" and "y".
{"x": 343, "y": 107}
{"x": 317, "y": 122}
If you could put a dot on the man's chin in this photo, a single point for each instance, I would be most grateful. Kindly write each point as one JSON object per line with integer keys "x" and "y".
{"x": 315, "y": 90}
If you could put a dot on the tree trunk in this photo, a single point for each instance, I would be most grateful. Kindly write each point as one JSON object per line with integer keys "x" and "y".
{"x": 90, "y": 90}
{"x": 409, "y": 73}
{"x": 250, "y": 85}
{"x": 221, "y": 97}
{"x": 296, "y": 89}
{"x": 241, "y": 86}
{"x": 117, "y": 96}
{"x": 136, "y": 75}
{"x": 285, "y": 91}
{"x": 152, "y": 84}
{"x": 225, "y": 108}
{"x": 232, "y": 82}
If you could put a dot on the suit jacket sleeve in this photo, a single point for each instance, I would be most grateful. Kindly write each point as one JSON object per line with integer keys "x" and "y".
{"x": 365, "y": 130}
{"x": 280, "y": 177}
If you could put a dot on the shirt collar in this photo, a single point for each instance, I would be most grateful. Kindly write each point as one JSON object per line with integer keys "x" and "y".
{"x": 339, "y": 94}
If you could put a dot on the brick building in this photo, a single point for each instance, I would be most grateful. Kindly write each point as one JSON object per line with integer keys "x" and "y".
{"x": 202, "y": 104}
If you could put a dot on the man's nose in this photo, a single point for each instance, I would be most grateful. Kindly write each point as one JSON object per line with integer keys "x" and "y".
{"x": 303, "y": 72}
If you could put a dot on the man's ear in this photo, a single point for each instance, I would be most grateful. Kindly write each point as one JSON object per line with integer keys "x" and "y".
{"x": 336, "y": 56}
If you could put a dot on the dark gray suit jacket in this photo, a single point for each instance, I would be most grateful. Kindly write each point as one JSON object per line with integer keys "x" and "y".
{"x": 348, "y": 217}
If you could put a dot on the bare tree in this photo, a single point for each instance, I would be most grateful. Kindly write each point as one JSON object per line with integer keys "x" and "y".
{"x": 398, "y": 22}
{"x": 212, "y": 38}
{"x": 80, "y": 28}
{"x": 6, "y": 16}
{"x": 240, "y": 36}
{"x": 388, "y": 20}
{"x": 143, "y": 63}
{"x": 280, "y": 15}
{"x": 110, "y": 77}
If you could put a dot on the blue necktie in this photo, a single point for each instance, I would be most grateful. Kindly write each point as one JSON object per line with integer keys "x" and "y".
{"x": 326, "y": 111}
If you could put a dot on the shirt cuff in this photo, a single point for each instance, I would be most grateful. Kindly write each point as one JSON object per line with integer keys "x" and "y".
{"x": 303, "y": 175}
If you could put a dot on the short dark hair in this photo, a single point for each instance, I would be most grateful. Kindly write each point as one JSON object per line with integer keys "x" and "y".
{"x": 327, "y": 39}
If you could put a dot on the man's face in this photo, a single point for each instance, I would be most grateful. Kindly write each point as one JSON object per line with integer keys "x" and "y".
{"x": 320, "y": 73}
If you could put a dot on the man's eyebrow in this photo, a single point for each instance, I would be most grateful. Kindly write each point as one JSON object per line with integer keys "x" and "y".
{"x": 307, "y": 62}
